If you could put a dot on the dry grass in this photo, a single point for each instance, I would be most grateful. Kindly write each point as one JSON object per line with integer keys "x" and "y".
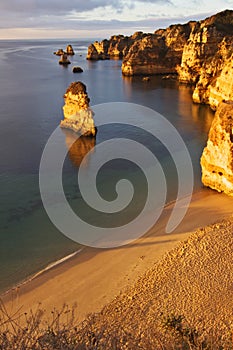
{"x": 21, "y": 331}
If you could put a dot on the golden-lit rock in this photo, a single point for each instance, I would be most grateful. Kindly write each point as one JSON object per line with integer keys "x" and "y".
{"x": 69, "y": 50}
{"x": 116, "y": 47}
{"x": 59, "y": 52}
{"x": 207, "y": 59}
{"x": 217, "y": 157}
{"x": 158, "y": 53}
{"x": 64, "y": 59}
{"x": 78, "y": 116}
{"x": 98, "y": 50}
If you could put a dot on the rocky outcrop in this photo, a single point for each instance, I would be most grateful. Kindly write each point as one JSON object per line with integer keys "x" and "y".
{"x": 78, "y": 116}
{"x": 59, "y": 52}
{"x": 199, "y": 52}
{"x": 77, "y": 70}
{"x": 116, "y": 47}
{"x": 217, "y": 157}
{"x": 69, "y": 50}
{"x": 207, "y": 59}
{"x": 64, "y": 59}
{"x": 158, "y": 53}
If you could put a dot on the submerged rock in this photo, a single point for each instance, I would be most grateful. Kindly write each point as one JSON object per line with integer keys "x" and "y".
{"x": 217, "y": 157}
{"x": 64, "y": 60}
{"x": 78, "y": 116}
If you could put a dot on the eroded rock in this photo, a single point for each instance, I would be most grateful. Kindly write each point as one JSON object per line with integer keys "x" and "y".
{"x": 217, "y": 157}
{"x": 78, "y": 116}
{"x": 77, "y": 70}
{"x": 64, "y": 60}
{"x": 116, "y": 47}
{"x": 158, "y": 53}
{"x": 207, "y": 59}
{"x": 69, "y": 50}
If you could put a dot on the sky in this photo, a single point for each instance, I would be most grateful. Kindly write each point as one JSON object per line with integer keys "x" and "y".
{"x": 79, "y": 19}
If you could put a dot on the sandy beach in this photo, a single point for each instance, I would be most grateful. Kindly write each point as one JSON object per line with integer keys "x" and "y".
{"x": 94, "y": 277}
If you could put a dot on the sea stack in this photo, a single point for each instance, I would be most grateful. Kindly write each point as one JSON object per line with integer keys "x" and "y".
{"x": 78, "y": 116}
{"x": 69, "y": 50}
{"x": 64, "y": 60}
{"x": 217, "y": 157}
{"x": 59, "y": 52}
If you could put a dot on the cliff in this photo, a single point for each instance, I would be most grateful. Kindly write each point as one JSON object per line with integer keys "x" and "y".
{"x": 217, "y": 157}
{"x": 78, "y": 116}
{"x": 199, "y": 52}
{"x": 206, "y": 60}
{"x": 158, "y": 53}
{"x": 116, "y": 47}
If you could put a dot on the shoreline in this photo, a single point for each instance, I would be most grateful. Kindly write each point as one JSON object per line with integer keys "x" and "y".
{"x": 94, "y": 277}
{"x": 40, "y": 272}
{"x": 68, "y": 257}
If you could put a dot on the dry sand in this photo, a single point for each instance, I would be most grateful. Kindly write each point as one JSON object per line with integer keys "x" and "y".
{"x": 95, "y": 277}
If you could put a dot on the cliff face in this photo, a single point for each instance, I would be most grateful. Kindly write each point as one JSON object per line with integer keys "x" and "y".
{"x": 206, "y": 60}
{"x": 158, "y": 53}
{"x": 200, "y": 52}
{"x": 116, "y": 47}
{"x": 77, "y": 114}
{"x": 217, "y": 157}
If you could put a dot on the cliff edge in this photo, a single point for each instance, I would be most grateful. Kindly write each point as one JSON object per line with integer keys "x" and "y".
{"x": 217, "y": 157}
{"x": 207, "y": 59}
{"x": 199, "y": 52}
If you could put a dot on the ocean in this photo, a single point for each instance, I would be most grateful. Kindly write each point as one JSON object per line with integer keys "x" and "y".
{"x": 32, "y": 85}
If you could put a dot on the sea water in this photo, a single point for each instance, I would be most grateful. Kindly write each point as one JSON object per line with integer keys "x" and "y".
{"x": 32, "y": 85}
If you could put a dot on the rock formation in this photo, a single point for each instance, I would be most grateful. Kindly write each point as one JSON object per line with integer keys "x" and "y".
{"x": 59, "y": 52}
{"x": 116, "y": 47}
{"x": 207, "y": 59}
{"x": 77, "y": 70}
{"x": 64, "y": 60}
{"x": 69, "y": 50}
{"x": 158, "y": 53}
{"x": 217, "y": 157}
{"x": 201, "y": 53}
{"x": 78, "y": 116}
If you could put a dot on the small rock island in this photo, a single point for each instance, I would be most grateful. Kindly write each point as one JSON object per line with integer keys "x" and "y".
{"x": 64, "y": 60}
{"x": 78, "y": 116}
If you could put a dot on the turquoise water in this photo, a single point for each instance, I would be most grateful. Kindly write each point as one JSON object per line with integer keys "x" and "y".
{"x": 32, "y": 85}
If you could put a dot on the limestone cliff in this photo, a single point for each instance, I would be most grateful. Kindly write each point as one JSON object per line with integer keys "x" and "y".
{"x": 158, "y": 53}
{"x": 217, "y": 157}
{"x": 207, "y": 59}
{"x": 200, "y": 52}
{"x": 78, "y": 116}
{"x": 116, "y": 47}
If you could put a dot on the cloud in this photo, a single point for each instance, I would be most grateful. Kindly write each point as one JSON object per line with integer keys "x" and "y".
{"x": 57, "y": 13}
{"x": 97, "y": 15}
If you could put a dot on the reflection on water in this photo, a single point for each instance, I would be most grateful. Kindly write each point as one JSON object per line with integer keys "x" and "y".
{"x": 203, "y": 116}
{"x": 188, "y": 115}
{"x": 78, "y": 148}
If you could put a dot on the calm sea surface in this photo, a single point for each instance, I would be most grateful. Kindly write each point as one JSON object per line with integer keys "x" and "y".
{"x": 32, "y": 85}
